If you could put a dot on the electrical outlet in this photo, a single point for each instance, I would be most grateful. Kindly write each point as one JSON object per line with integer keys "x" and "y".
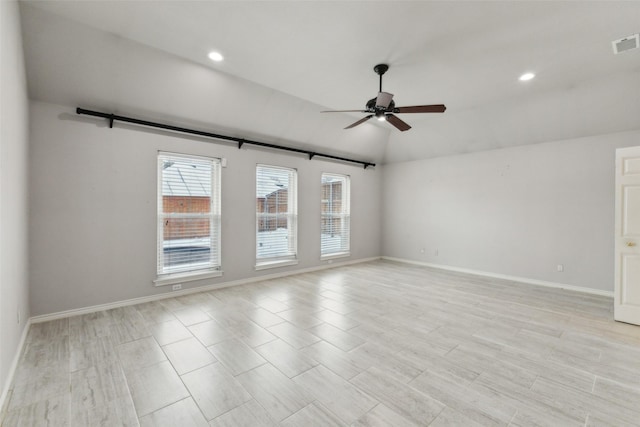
{"x": 176, "y": 287}
{"x": 560, "y": 268}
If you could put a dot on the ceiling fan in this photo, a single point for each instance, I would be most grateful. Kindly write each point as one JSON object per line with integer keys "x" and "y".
{"x": 383, "y": 108}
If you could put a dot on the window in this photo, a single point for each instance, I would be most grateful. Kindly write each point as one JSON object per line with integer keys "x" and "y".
{"x": 188, "y": 215}
{"x": 276, "y": 216}
{"x": 335, "y": 216}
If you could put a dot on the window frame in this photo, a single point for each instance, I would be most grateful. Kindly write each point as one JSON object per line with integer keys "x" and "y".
{"x": 266, "y": 262}
{"x": 167, "y": 276}
{"x": 344, "y": 215}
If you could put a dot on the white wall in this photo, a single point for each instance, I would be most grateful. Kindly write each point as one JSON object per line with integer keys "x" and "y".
{"x": 93, "y": 208}
{"x": 518, "y": 211}
{"x": 13, "y": 190}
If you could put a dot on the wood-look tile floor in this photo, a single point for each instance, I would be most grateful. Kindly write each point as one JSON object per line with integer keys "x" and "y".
{"x": 372, "y": 344}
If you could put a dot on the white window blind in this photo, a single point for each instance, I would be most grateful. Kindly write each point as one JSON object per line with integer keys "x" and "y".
{"x": 188, "y": 214}
{"x": 276, "y": 214}
{"x": 335, "y": 215}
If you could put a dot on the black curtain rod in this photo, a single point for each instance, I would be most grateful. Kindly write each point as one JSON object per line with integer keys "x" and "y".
{"x": 240, "y": 141}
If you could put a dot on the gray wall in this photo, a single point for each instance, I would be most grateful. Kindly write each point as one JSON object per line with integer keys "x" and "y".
{"x": 14, "y": 292}
{"x": 518, "y": 211}
{"x": 93, "y": 209}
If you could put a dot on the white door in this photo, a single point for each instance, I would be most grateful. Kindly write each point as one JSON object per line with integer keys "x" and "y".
{"x": 627, "y": 241}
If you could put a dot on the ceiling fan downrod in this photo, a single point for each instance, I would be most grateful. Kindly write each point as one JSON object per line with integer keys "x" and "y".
{"x": 380, "y": 69}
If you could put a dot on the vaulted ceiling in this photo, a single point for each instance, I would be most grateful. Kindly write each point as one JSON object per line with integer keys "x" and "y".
{"x": 287, "y": 61}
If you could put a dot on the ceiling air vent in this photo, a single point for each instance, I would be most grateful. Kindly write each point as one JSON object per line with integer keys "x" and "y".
{"x": 627, "y": 43}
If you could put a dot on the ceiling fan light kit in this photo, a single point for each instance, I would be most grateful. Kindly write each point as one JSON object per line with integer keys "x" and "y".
{"x": 383, "y": 108}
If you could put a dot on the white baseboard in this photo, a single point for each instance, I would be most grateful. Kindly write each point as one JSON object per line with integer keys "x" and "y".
{"x": 171, "y": 294}
{"x": 506, "y": 277}
{"x": 12, "y": 369}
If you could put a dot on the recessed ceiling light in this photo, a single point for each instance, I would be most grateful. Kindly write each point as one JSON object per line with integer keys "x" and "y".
{"x": 216, "y": 56}
{"x": 526, "y": 76}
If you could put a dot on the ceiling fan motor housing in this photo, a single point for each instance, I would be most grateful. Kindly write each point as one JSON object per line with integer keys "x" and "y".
{"x": 373, "y": 108}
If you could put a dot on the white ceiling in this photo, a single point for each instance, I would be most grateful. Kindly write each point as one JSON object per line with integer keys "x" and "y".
{"x": 311, "y": 55}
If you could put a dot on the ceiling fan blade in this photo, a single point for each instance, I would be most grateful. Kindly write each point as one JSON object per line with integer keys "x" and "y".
{"x": 394, "y": 120}
{"x": 437, "y": 108}
{"x": 359, "y": 122}
{"x": 384, "y": 99}
{"x": 345, "y": 111}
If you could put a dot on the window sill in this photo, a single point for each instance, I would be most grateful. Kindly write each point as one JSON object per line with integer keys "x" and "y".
{"x": 335, "y": 255}
{"x": 172, "y": 279}
{"x": 276, "y": 264}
